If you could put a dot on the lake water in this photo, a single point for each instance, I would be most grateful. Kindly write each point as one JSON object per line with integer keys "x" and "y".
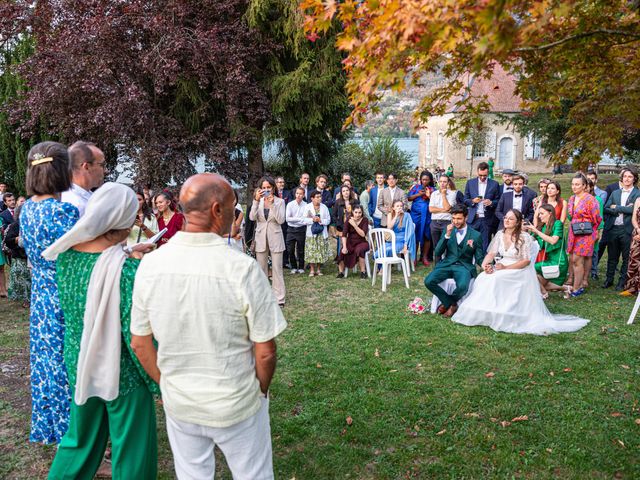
{"x": 408, "y": 145}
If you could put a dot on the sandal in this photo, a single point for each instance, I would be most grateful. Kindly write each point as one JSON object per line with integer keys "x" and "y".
{"x": 319, "y": 274}
{"x": 311, "y": 274}
{"x": 567, "y": 291}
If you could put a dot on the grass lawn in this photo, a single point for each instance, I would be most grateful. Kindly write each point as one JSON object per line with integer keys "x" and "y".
{"x": 365, "y": 389}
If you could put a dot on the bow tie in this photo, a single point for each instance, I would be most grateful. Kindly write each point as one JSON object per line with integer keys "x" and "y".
{"x": 517, "y": 195}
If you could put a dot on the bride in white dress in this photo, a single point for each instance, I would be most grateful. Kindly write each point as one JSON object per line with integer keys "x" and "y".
{"x": 506, "y": 297}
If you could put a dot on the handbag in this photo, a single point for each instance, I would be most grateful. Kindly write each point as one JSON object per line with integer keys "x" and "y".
{"x": 317, "y": 228}
{"x": 580, "y": 229}
{"x": 550, "y": 272}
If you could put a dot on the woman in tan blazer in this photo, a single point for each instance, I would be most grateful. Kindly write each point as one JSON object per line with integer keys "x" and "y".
{"x": 268, "y": 211}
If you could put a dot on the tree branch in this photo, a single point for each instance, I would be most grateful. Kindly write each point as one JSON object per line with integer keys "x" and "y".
{"x": 601, "y": 31}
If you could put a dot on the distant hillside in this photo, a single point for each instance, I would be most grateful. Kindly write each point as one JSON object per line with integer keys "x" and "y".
{"x": 395, "y": 118}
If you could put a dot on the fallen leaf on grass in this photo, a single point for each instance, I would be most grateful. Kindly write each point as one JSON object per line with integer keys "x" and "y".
{"x": 567, "y": 370}
{"x": 472, "y": 414}
{"x": 637, "y": 420}
{"x": 490, "y": 375}
{"x": 349, "y": 421}
{"x": 505, "y": 424}
{"x": 521, "y": 418}
{"x": 343, "y": 432}
{"x": 392, "y": 371}
{"x": 493, "y": 419}
{"x": 548, "y": 450}
{"x": 621, "y": 443}
{"x": 376, "y": 353}
{"x": 617, "y": 414}
{"x": 318, "y": 365}
{"x": 322, "y": 325}
{"x": 530, "y": 375}
{"x": 626, "y": 367}
{"x": 442, "y": 432}
{"x": 552, "y": 374}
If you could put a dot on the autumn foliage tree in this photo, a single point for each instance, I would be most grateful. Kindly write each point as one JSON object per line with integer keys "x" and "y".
{"x": 582, "y": 53}
{"x": 158, "y": 81}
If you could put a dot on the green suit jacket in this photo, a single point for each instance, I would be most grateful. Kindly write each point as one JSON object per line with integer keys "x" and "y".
{"x": 463, "y": 254}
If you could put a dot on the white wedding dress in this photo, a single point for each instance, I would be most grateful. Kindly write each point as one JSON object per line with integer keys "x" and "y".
{"x": 509, "y": 300}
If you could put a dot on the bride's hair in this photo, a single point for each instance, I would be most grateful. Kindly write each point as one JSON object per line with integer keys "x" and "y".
{"x": 516, "y": 236}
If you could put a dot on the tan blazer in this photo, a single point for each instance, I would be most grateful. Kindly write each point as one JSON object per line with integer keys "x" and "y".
{"x": 269, "y": 234}
{"x": 385, "y": 202}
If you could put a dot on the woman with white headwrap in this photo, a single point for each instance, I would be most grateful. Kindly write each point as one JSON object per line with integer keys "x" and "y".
{"x": 111, "y": 393}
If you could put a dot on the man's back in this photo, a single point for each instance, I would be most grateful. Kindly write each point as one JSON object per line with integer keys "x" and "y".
{"x": 205, "y": 304}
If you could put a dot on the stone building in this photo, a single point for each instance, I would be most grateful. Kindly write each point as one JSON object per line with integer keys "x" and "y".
{"x": 504, "y": 144}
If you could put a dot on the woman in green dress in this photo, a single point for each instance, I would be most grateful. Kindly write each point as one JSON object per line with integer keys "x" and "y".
{"x": 111, "y": 393}
{"x": 550, "y": 237}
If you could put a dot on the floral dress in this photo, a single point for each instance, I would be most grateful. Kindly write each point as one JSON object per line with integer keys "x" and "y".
{"x": 587, "y": 210}
{"x": 41, "y": 224}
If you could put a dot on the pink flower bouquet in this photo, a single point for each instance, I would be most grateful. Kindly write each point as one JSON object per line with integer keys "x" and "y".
{"x": 417, "y": 306}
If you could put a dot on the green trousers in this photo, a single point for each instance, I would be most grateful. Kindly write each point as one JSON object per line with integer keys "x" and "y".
{"x": 462, "y": 277}
{"x": 130, "y": 421}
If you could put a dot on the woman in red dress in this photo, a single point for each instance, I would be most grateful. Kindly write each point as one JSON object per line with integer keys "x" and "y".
{"x": 354, "y": 242}
{"x": 168, "y": 217}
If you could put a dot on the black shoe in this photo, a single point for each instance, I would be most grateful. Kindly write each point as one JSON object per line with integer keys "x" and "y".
{"x": 363, "y": 275}
{"x": 340, "y": 275}
{"x": 619, "y": 287}
{"x": 607, "y": 283}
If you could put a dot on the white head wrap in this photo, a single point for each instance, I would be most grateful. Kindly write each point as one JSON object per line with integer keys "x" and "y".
{"x": 111, "y": 207}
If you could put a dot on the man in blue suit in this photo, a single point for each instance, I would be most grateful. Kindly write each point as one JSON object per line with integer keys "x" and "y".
{"x": 481, "y": 196}
{"x": 520, "y": 199}
{"x": 373, "y": 199}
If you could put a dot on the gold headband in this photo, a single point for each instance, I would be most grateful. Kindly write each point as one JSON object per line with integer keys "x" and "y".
{"x": 42, "y": 160}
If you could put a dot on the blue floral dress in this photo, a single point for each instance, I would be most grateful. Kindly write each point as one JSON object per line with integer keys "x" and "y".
{"x": 41, "y": 224}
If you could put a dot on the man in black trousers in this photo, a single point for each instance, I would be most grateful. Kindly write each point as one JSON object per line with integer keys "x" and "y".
{"x": 285, "y": 195}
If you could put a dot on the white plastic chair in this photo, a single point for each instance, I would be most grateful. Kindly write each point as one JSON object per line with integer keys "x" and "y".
{"x": 379, "y": 248}
{"x": 634, "y": 312}
{"x": 366, "y": 258}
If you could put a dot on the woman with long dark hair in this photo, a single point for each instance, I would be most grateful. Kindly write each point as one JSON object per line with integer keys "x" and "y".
{"x": 146, "y": 224}
{"x": 504, "y": 297}
{"x": 168, "y": 216}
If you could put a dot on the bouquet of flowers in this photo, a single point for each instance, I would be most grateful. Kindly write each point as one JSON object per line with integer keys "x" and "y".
{"x": 417, "y": 306}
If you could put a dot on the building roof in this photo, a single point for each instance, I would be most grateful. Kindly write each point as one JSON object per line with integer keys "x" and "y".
{"x": 500, "y": 90}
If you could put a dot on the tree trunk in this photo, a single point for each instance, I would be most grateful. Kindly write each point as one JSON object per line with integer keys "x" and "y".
{"x": 255, "y": 171}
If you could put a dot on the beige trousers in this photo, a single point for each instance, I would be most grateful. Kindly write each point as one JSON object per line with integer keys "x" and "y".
{"x": 277, "y": 275}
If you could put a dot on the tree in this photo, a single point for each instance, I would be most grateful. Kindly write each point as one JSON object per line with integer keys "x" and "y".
{"x": 584, "y": 51}
{"x": 305, "y": 81}
{"x": 158, "y": 81}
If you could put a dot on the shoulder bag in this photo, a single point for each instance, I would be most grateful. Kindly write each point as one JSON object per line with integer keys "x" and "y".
{"x": 550, "y": 272}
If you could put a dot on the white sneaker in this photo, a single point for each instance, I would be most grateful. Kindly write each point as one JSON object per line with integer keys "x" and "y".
{"x": 300, "y": 271}
{"x": 293, "y": 271}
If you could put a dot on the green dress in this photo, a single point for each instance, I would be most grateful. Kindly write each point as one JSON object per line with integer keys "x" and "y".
{"x": 556, "y": 254}
{"x": 491, "y": 165}
{"x": 129, "y": 420}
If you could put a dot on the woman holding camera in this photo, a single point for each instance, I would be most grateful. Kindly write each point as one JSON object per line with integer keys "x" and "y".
{"x": 268, "y": 212}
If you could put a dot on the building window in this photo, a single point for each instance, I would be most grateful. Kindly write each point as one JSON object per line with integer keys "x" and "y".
{"x": 478, "y": 151}
{"x": 427, "y": 145}
{"x": 532, "y": 149}
{"x": 440, "y": 145}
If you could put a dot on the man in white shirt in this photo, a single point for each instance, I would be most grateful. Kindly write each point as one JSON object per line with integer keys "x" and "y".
{"x": 215, "y": 318}
{"x": 389, "y": 196}
{"x": 87, "y": 174}
{"x": 296, "y": 231}
{"x": 618, "y": 226}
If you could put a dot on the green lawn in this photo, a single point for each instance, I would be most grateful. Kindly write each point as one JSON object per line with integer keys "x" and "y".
{"x": 365, "y": 389}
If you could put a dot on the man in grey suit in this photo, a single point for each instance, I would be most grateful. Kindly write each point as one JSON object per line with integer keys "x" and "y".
{"x": 389, "y": 196}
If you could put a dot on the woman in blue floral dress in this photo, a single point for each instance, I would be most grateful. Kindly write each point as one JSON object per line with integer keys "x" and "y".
{"x": 43, "y": 220}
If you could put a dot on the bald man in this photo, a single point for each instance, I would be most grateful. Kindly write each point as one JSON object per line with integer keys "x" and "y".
{"x": 212, "y": 312}
{"x": 87, "y": 174}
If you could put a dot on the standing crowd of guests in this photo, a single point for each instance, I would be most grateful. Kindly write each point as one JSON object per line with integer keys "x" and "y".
{"x": 101, "y": 346}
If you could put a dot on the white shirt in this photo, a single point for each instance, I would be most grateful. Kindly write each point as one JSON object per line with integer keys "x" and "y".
{"x": 460, "y": 234}
{"x": 623, "y": 202}
{"x": 76, "y": 196}
{"x": 517, "y": 201}
{"x": 325, "y": 218}
{"x": 436, "y": 201}
{"x": 482, "y": 189}
{"x": 377, "y": 213}
{"x": 507, "y": 188}
{"x": 295, "y": 213}
{"x": 205, "y": 304}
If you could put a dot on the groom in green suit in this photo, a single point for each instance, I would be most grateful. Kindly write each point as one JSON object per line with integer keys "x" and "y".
{"x": 460, "y": 245}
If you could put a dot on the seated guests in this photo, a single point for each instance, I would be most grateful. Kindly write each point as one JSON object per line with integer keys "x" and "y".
{"x": 519, "y": 198}
{"x": 550, "y": 237}
{"x": 459, "y": 246}
{"x": 146, "y": 224}
{"x": 19, "y": 273}
{"x": 354, "y": 242}
{"x": 440, "y": 205}
{"x": 296, "y": 230}
{"x": 504, "y": 296}
{"x": 400, "y": 222}
{"x": 316, "y": 218}
{"x": 111, "y": 392}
